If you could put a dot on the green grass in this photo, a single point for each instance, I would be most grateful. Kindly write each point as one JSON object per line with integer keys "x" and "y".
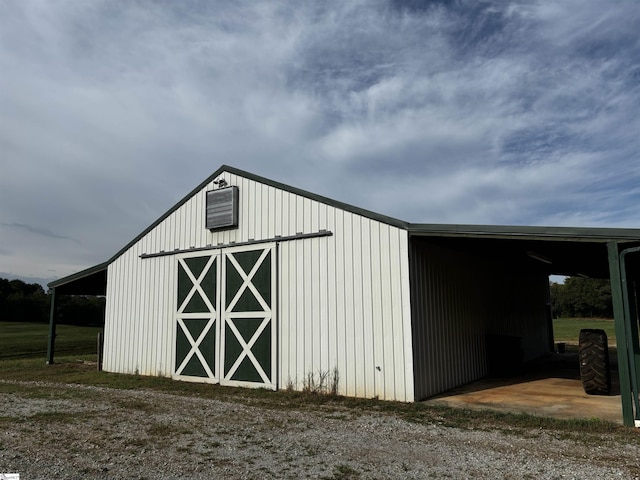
{"x": 568, "y": 329}
{"x": 28, "y": 340}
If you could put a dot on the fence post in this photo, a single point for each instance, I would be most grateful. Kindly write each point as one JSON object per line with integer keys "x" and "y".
{"x": 100, "y": 347}
{"x": 52, "y": 327}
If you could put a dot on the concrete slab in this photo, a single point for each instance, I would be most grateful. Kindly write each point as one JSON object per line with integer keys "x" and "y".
{"x": 550, "y": 388}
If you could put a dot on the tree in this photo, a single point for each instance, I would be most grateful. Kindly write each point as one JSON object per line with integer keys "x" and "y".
{"x": 20, "y": 301}
{"x": 581, "y": 297}
{"x": 24, "y": 302}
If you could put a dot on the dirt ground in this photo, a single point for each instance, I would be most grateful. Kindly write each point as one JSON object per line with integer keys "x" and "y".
{"x": 70, "y": 431}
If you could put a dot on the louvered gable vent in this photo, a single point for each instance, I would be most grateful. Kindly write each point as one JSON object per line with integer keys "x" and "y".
{"x": 222, "y": 208}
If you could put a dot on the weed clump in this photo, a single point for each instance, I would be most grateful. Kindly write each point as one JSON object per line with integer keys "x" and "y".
{"x": 322, "y": 382}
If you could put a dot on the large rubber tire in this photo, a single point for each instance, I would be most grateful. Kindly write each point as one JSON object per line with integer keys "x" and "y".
{"x": 593, "y": 353}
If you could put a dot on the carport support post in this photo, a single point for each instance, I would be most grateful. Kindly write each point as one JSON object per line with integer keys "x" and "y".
{"x": 52, "y": 327}
{"x": 631, "y": 326}
{"x": 621, "y": 334}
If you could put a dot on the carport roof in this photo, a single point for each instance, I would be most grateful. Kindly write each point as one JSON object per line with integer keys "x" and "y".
{"x": 574, "y": 234}
{"x": 92, "y": 281}
{"x": 553, "y": 250}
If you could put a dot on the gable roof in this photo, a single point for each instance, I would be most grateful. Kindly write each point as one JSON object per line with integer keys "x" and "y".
{"x": 228, "y": 169}
{"x": 414, "y": 229}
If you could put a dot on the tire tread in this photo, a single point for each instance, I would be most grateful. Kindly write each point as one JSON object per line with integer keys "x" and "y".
{"x": 593, "y": 353}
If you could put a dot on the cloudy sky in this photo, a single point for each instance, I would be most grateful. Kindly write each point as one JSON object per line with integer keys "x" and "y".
{"x": 522, "y": 113}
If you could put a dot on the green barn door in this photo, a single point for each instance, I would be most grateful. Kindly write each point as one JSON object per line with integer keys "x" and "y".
{"x": 197, "y": 319}
{"x": 248, "y": 349}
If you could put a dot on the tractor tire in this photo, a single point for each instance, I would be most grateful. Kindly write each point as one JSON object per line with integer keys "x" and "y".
{"x": 593, "y": 353}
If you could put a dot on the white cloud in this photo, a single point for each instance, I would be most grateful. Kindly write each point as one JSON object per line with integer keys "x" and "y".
{"x": 465, "y": 112}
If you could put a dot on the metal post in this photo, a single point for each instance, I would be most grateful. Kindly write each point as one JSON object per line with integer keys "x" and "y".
{"x": 100, "y": 347}
{"x": 633, "y": 309}
{"x": 631, "y": 329}
{"x": 549, "y": 315}
{"x": 52, "y": 327}
{"x": 621, "y": 336}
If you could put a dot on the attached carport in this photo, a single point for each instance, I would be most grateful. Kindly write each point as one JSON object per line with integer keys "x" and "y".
{"x": 92, "y": 281}
{"x": 506, "y": 252}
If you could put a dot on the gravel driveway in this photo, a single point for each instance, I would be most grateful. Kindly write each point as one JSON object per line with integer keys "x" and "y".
{"x": 68, "y": 431}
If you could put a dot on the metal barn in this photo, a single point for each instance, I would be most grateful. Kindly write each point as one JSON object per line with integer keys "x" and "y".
{"x": 250, "y": 282}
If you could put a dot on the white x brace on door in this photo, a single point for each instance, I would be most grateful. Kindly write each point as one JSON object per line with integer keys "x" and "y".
{"x": 225, "y": 318}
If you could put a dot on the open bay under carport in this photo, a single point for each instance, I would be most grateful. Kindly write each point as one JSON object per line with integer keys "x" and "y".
{"x": 501, "y": 289}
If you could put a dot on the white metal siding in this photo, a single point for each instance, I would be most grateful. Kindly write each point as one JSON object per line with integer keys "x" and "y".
{"x": 343, "y": 299}
{"x": 358, "y": 322}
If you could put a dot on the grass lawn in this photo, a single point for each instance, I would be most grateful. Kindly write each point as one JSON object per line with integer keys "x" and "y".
{"x": 568, "y": 329}
{"x": 24, "y": 340}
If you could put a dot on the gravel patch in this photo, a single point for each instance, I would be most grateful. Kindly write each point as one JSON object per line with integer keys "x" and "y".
{"x": 71, "y": 431}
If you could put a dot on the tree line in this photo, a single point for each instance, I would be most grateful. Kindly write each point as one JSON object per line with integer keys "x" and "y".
{"x": 28, "y": 302}
{"x": 581, "y": 297}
